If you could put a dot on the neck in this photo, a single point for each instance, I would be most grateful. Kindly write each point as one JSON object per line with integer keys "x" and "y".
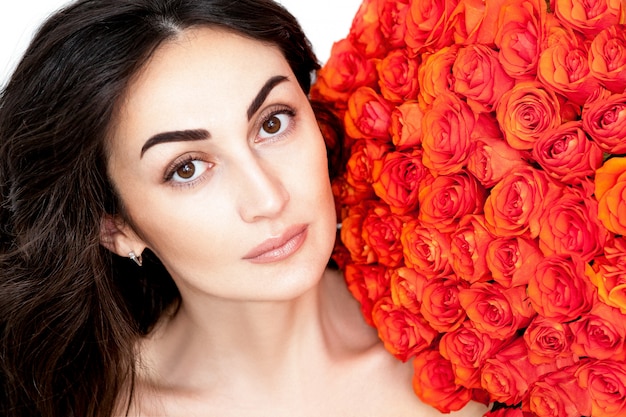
{"x": 210, "y": 337}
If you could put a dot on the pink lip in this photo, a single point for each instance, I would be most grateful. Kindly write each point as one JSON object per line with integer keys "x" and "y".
{"x": 278, "y": 248}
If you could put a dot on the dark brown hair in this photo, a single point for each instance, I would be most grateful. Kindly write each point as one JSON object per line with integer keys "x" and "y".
{"x": 70, "y": 311}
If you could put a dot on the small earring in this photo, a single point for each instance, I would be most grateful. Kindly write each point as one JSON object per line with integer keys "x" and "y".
{"x": 136, "y": 259}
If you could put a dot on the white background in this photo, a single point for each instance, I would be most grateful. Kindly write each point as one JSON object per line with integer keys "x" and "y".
{"x": 324, "y": 22}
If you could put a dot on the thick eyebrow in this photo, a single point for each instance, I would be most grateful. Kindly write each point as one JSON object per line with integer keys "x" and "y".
{"x": 201, "y": 134}
{"x": 175, "y": 136}
{"x": 263, "y": 93}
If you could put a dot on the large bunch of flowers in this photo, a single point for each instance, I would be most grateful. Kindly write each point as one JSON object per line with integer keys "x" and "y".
{"x": 483, "y": 201}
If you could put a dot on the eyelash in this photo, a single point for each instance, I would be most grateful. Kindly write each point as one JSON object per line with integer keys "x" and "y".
{"x": 273, "y": 112}
{"x": 188, "y": 159}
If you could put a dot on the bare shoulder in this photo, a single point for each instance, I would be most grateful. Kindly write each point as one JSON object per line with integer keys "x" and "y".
{"x": 381, "y": 384}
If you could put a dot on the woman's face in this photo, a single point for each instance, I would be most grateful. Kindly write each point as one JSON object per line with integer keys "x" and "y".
{"x": 221, "y": 167}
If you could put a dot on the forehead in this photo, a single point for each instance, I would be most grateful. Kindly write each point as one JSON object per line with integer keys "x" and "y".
{"x": 200, "y": 67}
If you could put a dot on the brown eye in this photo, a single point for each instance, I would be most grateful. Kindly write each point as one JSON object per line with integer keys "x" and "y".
{"x": 272, "y": 125}
{"x": 186, "y": 171}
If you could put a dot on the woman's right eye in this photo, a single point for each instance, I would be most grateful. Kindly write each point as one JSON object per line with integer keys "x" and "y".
{"x": 187, "y": 171}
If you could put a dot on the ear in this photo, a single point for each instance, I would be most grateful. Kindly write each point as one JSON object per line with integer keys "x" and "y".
{"x": 117, "y": 236}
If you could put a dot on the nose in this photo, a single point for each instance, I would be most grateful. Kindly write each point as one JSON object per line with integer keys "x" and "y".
{"x": 262, "y": 192}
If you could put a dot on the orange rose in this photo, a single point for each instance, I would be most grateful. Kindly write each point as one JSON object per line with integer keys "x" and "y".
{"x": 600, "y": 333}
{"x": 606, "y": 383}
{"x": 564, "y": 67}
{"x": 520, "y": 36}
{"x": 515, "y": 204}
{"x": 447, "y": 127}
{"x": 468, "y": 248}
{"x": 525, "y": 112}
{"x": 569, "y": 226}
{"x": 381, "y": 232}
{"x": 435, "y": 74}
{"x": 566, "y": 153}
{"x": 427, "y": 25}
{"x": 512, "y": 261}
{"x": 406, "y": 125}
{"x": 608, "y": 274}
{"x": 588, "y": 18}
{"x": 433, "y": 382}
{"x": 365, "y": 32}
{"x": 508, "y": 374}
{"x": 367, "y": 284}
{"x": 368, "y": 115}
{"x": 560, "y": 290}
{"x": 558, "y": 395}
{"x": 360, "y": 165}
{"x": 500, "y": 312}
{"x": 351, "y": 233}
{"x": 607, "y": 58}
{"x": 610, "y": 191}
{"x": 440, "y": 303}
{"x": 491, "y": 158}
{"x": 392, "y": 17}
{"x": 605, "y": 121}
{"x": 549, "y": 340}
{"x": 397, "y": 76}
{"x": 425, "y": 249}
{"x": 404, "y": 334}
{"x": 444, "y": 200}
{"x": 475, "y": 22}
{"x": 396, "y": 179}
{"x": 479, "y": 77}
{"x": 346, "y": 70}
{"x": 407, "y": 287}
{"x": 467, "y": 349}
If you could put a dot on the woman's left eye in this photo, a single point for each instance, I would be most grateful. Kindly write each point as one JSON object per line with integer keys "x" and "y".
{"x": 275, "y": 124}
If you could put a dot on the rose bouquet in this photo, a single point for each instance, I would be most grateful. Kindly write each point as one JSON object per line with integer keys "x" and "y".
{"x": 483, "y": 200}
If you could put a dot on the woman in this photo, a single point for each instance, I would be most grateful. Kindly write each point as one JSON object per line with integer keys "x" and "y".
{"x": 167, "y": 221}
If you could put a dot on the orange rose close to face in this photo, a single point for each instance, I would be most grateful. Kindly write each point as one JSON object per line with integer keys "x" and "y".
{"x": 610, "y": 191}
{"x": 381, "y": 233}
{"x": 396, "y": 180}
{"x": 346, "y": 70}
{"x": 367, "y": 284}
{"x": 368, "y": 115}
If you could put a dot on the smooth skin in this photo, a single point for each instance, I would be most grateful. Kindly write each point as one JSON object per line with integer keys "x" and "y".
{"x": 222, "y": 169}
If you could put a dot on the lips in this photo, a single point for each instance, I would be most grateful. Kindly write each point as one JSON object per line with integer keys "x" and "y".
{"x": 278, "y": 248}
